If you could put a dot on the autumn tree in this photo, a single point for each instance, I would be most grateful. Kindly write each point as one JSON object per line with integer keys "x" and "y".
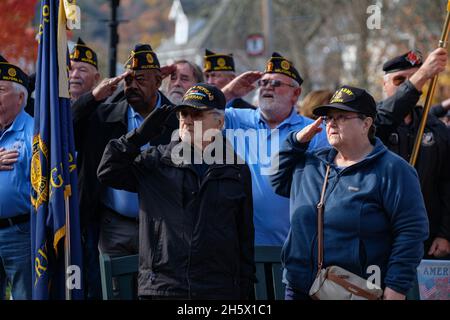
{"x": 17, "y": 36}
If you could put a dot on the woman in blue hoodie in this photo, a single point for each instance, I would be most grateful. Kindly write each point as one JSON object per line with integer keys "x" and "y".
{"x": 374, "y": 216}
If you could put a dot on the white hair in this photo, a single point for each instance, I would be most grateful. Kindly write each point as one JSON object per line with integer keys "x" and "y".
{"x": 219, "y": 112}
{"x": 18, "y": 88}
{"x": 219, "y": 115}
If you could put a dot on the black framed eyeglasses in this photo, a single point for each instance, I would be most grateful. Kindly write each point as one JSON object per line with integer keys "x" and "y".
{"x": 194, "y": 114}
{"x": 340, "y": 118}
{"x": 273, "y": 83}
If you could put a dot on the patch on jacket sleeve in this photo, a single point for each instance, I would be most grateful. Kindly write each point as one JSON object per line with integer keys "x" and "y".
{"x": 428, "y": 139}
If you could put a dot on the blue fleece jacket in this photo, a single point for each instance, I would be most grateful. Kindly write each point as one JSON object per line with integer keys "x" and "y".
{"x": 374, "y": 215}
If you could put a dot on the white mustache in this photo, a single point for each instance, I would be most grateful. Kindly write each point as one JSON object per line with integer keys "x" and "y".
{"x": 180, "y": 91}
{"x": 75, "y": 82}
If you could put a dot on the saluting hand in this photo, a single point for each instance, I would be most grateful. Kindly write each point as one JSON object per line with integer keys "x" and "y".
{"x": 107, "y": 87}
{"x": 153, "y": 124}
{"x": 7, "y": 158}
{"x": 241, "y": 85}
{"x": 308, "y": 132}
{"x": 168, "y": 70}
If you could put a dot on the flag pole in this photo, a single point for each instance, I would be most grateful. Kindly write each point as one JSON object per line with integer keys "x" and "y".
{"x": 67, "y": 246}
{"x": 442, "y": 44}
{"x": 64, "y": 93}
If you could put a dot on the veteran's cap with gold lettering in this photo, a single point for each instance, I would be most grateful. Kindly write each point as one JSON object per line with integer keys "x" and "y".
{"x": 350, "y": 99}
{"x": 218, "y": 62}
{"x": 278, "y": 64}
{"x": 203, "y": 96}
{"x": 82, "y": 53}
{"x": 10, "y": 72}
{"x": 142, "y": 58}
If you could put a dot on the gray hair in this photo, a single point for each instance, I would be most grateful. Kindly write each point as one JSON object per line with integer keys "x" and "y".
{"x": 372, "y": 130}
{"x": 219, "y": 115}
{"x": 18, "y": 88}
{"x": 295, "y": 83}
{"x": 196, "y": 70}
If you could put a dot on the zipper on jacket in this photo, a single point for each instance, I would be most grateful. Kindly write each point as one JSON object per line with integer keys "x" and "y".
{"x": 188, "y": 268}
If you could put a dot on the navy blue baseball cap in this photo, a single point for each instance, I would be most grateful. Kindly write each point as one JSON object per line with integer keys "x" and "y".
{"x": 350, "y": 99}
{"x": 203, "y": 96}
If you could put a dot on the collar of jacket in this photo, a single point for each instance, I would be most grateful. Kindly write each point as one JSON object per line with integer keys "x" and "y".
{"x": 328, "y": 155}
{"x": 118, "y": 111}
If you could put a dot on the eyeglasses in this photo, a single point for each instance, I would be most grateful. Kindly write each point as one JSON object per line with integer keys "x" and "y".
{"x": 273, "y": 83}
{"x": 194, "y": 114}
{"x": 340, "y": 118}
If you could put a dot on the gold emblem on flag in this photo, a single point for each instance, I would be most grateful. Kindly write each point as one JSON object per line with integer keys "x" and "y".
{"x": 39, "y": 182}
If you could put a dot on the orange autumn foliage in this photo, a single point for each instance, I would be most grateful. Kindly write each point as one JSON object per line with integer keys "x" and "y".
{"x": 17, "y": 34}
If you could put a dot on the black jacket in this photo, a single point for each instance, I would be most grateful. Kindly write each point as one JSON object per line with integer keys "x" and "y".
{"x": 196, "y": 234}
{"x": 95, "y": 124}
{"x": 433, "y": 160}
{"x": 438, "y": 111}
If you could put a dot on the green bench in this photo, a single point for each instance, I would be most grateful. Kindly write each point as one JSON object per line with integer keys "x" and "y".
{"x": 118, "y": 275}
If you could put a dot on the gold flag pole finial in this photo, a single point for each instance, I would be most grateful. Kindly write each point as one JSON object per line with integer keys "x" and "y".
{"x": 442, "y": 44}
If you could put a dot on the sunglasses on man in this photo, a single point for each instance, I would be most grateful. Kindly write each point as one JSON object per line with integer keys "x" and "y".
{"x": 273, "y": 83}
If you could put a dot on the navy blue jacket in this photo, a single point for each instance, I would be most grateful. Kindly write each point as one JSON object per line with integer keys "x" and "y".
{"x": 374, "y": 215}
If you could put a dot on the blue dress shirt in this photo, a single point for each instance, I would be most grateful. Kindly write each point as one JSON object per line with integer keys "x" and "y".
{"x": 15, "y": 185}
{"x": 256, "y": 144}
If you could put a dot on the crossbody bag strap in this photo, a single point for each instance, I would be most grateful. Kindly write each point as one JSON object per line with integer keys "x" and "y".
{"x": 320, "y": 209}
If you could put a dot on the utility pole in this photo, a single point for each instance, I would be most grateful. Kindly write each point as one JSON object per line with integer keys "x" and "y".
{"x": 268, "y": 25}
{"x": 113, "y": 38}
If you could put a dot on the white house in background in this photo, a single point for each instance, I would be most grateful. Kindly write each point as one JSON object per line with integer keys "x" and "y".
{"x": 177, "y": 14}
{"x": 196, "y": 25}
{"x": 194, "y": 22}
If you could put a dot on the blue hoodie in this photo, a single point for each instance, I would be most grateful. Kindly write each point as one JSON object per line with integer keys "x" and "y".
{"x": 374, "y": 215}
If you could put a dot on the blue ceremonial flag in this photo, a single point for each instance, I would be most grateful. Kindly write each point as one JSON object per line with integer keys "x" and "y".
{"x": 56, "y": 240}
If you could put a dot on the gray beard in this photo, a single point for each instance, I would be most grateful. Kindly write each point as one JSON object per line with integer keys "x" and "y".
{"x": 175, "y": 98}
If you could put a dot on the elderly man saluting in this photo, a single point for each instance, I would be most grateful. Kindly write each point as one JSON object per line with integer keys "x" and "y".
{"x": 195, "y": 213}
